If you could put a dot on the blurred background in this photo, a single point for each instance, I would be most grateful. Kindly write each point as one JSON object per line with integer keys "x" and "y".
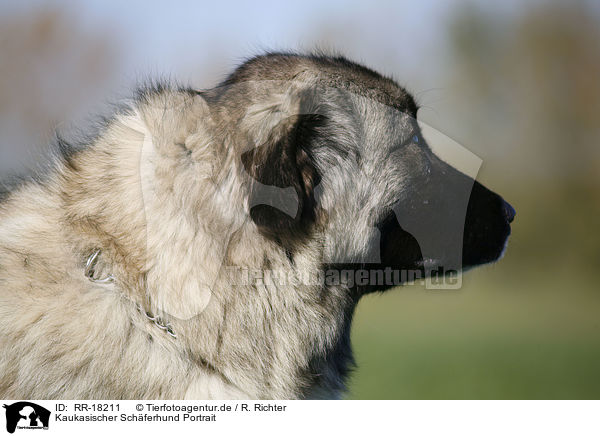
{"x": 517, "y": 83}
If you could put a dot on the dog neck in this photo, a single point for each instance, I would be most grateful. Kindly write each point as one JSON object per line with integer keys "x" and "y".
{"x": 267, "y": 340}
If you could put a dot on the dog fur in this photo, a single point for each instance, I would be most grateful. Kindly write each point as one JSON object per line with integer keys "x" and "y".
{"x": 170, "y": 192}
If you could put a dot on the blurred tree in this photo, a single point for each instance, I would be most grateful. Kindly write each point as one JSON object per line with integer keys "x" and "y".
{"x": 531, "y": 83}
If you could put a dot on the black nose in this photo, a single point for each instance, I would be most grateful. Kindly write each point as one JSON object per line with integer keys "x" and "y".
{"x": 509, "y": 212}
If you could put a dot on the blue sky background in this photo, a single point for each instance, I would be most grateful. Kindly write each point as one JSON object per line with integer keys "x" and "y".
{"x": 401, "y": 38}
{"x": 199, "y": 43}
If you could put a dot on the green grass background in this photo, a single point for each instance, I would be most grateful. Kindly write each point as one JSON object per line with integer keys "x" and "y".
{"x": 527, "y": 327}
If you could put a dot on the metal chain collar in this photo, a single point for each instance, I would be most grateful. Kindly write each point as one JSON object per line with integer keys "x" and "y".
{"x": 90, "y": 274}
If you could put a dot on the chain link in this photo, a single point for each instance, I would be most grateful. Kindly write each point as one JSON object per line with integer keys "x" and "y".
{"x": 90, "y": 272}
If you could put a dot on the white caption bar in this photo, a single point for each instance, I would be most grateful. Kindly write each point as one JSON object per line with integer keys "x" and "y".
{"x": 309, "y": 417}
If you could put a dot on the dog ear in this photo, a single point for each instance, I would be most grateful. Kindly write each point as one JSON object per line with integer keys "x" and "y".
{"x": 281, "y": 200}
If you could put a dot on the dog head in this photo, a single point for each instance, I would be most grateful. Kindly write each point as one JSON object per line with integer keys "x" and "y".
{"x": 302, "y": 158}
{"x": 335, "y": 154}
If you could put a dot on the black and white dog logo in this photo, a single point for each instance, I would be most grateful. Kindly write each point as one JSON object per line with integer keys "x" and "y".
{"x": 26, "y": 415}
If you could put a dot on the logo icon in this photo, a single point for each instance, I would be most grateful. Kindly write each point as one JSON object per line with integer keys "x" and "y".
{"x": 26, "y": 415}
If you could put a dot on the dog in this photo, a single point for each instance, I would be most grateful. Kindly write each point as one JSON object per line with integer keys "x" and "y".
{"x": 135, "y": 267}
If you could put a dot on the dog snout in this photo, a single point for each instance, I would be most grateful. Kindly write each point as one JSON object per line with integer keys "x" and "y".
{"x": 508, "y": 211}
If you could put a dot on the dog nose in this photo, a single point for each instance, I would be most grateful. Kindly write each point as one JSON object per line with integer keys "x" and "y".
{"x": 508, "y": 211}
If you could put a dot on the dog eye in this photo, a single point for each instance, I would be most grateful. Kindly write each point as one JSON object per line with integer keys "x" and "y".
{"x": 414, "y": 139}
